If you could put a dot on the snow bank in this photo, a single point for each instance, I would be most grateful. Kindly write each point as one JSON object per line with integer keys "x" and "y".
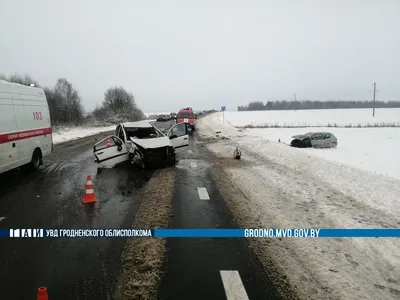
{"x": 212, "y": 126}
{"x": 65, "y": 134}
{"x": 315, "y": 118}
{"x": 286, "y": 187}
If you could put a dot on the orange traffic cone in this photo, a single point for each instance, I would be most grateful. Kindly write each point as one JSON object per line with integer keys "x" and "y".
{"x": 42, "y": 293}
{"x": 89, "y": 193}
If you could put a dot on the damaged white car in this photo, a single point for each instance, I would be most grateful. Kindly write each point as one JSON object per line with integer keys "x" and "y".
{"x": 142, "y": 144}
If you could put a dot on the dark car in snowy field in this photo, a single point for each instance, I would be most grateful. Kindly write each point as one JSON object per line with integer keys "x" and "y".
{"x": 314, "y": 140}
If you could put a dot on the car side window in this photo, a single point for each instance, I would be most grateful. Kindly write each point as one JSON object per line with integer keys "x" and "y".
{"x": 319, "y": 136}
{"x": 178, "y": 130}
{"x": 106, "y": 143}
{"x": 327, "y": 136}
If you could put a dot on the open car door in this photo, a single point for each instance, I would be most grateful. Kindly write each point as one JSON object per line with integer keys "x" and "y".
{"x": 179, "y": 135}
{"x": 110, "y": 151}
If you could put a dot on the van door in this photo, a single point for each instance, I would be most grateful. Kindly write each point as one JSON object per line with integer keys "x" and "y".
{"x": 178, "y": 135}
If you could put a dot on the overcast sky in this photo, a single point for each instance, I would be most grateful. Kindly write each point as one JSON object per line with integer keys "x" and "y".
{"x": 206, "y": 53}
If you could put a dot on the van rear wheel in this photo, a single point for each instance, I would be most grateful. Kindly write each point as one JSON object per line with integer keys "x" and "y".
{"x": 36, "y": 160}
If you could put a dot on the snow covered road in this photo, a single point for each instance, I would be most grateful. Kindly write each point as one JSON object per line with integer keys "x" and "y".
{"x": 284, "y": 187}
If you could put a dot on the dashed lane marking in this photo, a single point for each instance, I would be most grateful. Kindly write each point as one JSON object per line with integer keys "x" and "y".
{"x": 190, "y": 151}
{"x": 233, "y": 285}
{"x": 193, "y": 165}
{"x": 203, "y": 194}
{"x": 2, "y": 218}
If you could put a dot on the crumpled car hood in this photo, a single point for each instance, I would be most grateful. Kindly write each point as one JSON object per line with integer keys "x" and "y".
{"x": 152, "y": 143}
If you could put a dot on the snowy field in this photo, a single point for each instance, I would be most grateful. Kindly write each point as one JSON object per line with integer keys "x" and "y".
{"x": 314, "y": 118}
{"x": 286, "y": 187}
{"x": 371, "y": 149}
{"x": 66, "y": 134}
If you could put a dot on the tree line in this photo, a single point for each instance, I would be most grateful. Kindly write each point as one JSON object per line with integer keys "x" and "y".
{"x": 309, "y": 104}
{"x": 65, "y": 103}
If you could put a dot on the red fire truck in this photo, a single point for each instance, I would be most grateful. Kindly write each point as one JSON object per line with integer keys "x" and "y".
{"x": 186, "y": 115}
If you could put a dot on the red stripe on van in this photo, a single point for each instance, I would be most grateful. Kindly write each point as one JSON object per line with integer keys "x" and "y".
{"x": 21, "y": 135}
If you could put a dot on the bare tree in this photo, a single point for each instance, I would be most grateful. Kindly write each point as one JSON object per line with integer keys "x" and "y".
{"x": 119, "y": 105}
{"x": 21, "y": 79}
{"x": 66, "y": 102}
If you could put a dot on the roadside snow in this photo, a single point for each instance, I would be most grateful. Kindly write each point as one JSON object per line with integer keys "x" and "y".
{"x": 290, "y": 188}
{"x": 213, "y": 127}
{"x": 66, "y": 134}
{"x": 314, "y": 118}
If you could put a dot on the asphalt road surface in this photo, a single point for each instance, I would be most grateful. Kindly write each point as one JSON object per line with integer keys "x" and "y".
{"x": 87, "y": 268}
{"x": 207, "y": 268}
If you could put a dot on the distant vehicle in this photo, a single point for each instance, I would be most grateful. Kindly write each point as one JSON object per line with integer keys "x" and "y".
{"x": 163, "y": 118}
{"x": 173, "y": 116}
{"x": 314, "y": 140}
{"x": 141, "y": 143}
{"x": 25, "y": 127}
{"x": 188, "y": 117}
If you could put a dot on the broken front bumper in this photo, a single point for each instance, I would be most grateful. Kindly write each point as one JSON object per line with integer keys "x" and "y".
{"x": 158, "y": 156}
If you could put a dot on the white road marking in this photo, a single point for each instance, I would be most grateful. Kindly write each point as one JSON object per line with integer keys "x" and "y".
{"x": 233, "y": 285}
{"x": 203, "y": 195}
{"x": 193, "y": 165}
{"x": 2, "y": 218}
{"x": 190, "y": 151}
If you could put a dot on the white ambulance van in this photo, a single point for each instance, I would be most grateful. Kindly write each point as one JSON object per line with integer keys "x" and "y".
{"x": 25, "y": 128}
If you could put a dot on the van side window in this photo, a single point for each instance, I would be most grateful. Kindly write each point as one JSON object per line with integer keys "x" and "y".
{"x": 327, "y": 136}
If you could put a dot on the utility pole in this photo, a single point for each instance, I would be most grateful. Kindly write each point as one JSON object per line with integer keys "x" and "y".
{"x": 373, "y": 110}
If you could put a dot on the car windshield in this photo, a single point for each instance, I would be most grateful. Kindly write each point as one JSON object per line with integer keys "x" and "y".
{"x": 141, "y": 132}
{"x": 186, "y": 115}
